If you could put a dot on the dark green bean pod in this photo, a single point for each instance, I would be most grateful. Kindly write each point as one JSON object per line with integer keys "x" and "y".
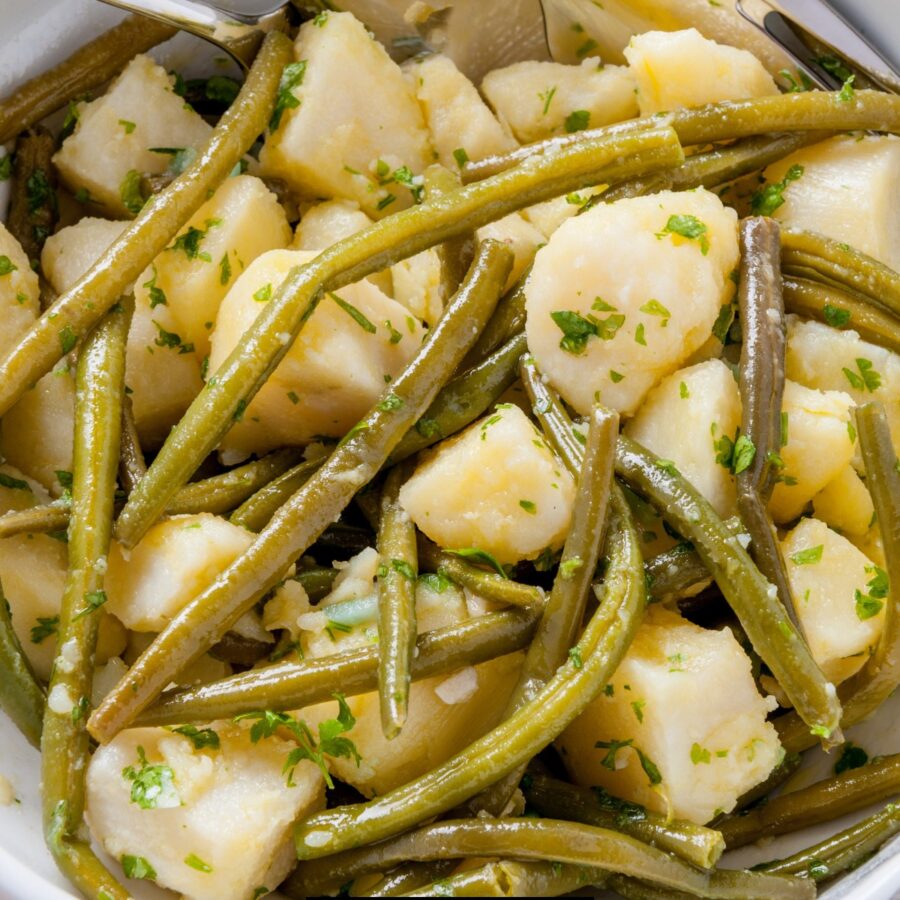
{"x": 317, "y": 581}
{"x": 396, "y": 883}
{"x": 257, "y": 510}
{"x": 35, "y": 519}
{"x": 132, "y": 467}
{"x": 673, "y": 572}
{"x": 507, "y": 321}
{"x": 33, "y": 204}
{"x": 455, "y": 254}
{"x": 733, "y": 884}
{"x": 297, "y": 524}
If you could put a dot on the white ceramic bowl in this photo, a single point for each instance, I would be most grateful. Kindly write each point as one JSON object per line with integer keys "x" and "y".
{"x": 34, "y": 35}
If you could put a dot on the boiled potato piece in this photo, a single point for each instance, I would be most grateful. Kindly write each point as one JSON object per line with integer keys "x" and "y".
{"x": 819, "y": 444}
{"x": 550, "y": 214}
{"x": 845, "y": 504}
{"x": 621, "y": 296}
{"x": 848, "y": 189}
{"x": 177, "y": 558}
{"x": 683, "y": 68}
{"x": 357, "y": 121}
{"x": 822, "y": 357}
{"x": 418, "y": 285}
{"x": 19, "y": 291}
{"x": 841, "y": 611}
{"x": 496, "y": 486}
{"x": 661, "y": 747}
{"x": 111, "y": 145}
{"x": 68, "y": 254}
{"x": 520, "y": 236}
{"x": 239, "y": 222}
{"x": 215, "y": 822}
{"x": 539, "y": 99}
{"x": 333, "y": 372}
{"x": 461, "y": 124}
{"x": 689, "y": 418}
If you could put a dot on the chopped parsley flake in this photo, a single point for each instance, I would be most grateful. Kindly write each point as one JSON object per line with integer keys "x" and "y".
{"x": 390, "y": 403}
{"x": 867, "y": 379}
{"x": 577, "y": 329}
{"x": 67, "y": 339}
{"x": 589, "y": 45}
{"x": 199, "y": 737}
{"x": 354, "y": 313}
{"x": 476, "y": 555}
{"x": 546, "y": 97}
{"x": 264, "y": 294}
{"x": 764, "y": 202}
{"x": 195, "y": 862}
{"x": 189, "y": 242}
{"x": 16, "y": 484}
{"x": 128, "y": 126}
{"x": 569, "y": 567}
{"x": 577, "y": 120}
{"x": 130, "y": 192}
{"x": 615, "y": 377}
{"x": 45, "y": 628}
{"x": 655, "y": 308}
{"x": 152, "y": 786}
{"x": 637, "y": 707}
{"x": 723, "y": 323}
{"x": 836, "y": 316}
{"x": 291, "y": 77}
{"x": 613, "y": 747}
{"x": 137, "y": 867}
{"x": 847, "y": 93}
{"x": 7, "y": 265}
{"x": 575, "y": 656}
{"x": 744, "y": 454}
{"x": 852, "y": 757}
{"x": 93, "y": 600}
{"x": 688, "y": 227}
{"x": 224, "y": 269}
{"x": 461, "y": 157}
{"x": 699, "y": 754}
{"x": 683, "y": 391}
{"x": 395, "y": 336}
{"x": 667, "y": 466}
{"x": 809, "y": 556}
{"x": 171, "y": 340}
{"x": 529, "y": 506}
{"x": 156, "y": 294}
{"x": 639, "y": 337}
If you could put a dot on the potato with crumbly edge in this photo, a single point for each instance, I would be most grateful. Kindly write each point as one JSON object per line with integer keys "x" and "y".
{"x": 845, "y": 504}
{"x": 19, "y": 291}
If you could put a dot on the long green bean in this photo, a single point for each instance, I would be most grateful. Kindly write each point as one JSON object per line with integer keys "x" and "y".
{"x": 21, "y": 696}
{"x": 87, "y": 68}
{"x": 383, "y": 243}
{"x": 507, "y": 321}
{"x": 733, "y": 884}
{"x": 396, "y": 883}
{"x": 821, "y": 802}
{"x": 396, "y": 604}
{"x": 33, "y": 205}
{"x": 257, "y": 510}
{"x": 297, "y": 524}
{"x": 99, "y": 388}
{"x": 83, "y": 305}
{"x": 808, "y": 111}
{"x": 517, "y": 739}
{"x": 558, "y": 800}
{"x": 36, "y": 519}
{"x": 675, "y": 571}
{"x": 132, "y": 466}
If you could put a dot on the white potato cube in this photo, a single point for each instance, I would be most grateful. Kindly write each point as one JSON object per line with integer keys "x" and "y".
{"x": 457, "y": 118}
{"x": 354, "y": 110}
{"x": 841, "y": 614}
{"x": 845, "y": 504}
{"x": 19, "y": 291}
{"x": 68, "y": 254}
{"x": 334, "y": 371}
{"x": 849, "y": 190}
{"x": 115, "y": 133}
{"x": 682, "y": 725}
{"x": 819, "y": 444}
{"x": 496, "y": 486}
{"x": 683, "y": 68}
{"x": 609, "y": 323}
{"x": 215, "y": 822}
{"x": 685, "y": 418}
{"x": 177, "y": 558}
{"x": 550, "y": 214}
{"x": 539, "y": 99}
{"x": 520, "y": 236}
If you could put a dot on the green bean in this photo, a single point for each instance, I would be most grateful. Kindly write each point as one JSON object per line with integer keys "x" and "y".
{"x": 808, "y": 111}
{"x": 823, "y": 303}
{"x": 529, "y": 838}
{"x": 132, "y": 467}
{"x": 673, "y": 572}
{"x": 21, "y": 696}
{"x": 85, "y": 303}
{"x": 257, "y": 510}
{"x": 35, "y": 519}
{"x": 557, "y": 800}
{"x": 841, "y": 851}
{"x": 317, "y": 581}
{"x": 396, "y": 604}
{"x": 507, "y": 322}
{"x": 517, "y": 739}
{"x": 777, "y": 777}
{"x": 292, "y": 685}
{"x": 383, "y": 243}
{"x": 455, "y": 255}
{"x": 396, "y": 883}
{"x": 65, "y": 752}
{"x": 87, "y": 68}
{"x": 821, "y": 802}
{"x": 33, "y": 204}
{"x": 297, "y": 524}
{"x": 464, "y": 399}
{"x": 733, "y": 884}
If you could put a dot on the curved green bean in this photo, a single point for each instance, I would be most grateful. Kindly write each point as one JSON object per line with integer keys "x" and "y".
{"x": 396, "y": 604}
{"x": 293, "y": 685}
{"x": 257, "y": 510}
{"x": 317, "y": 581}
{"x": 83, "y": 305}
{"x": 65, "y": 751}
{"x": 506, "y": 323}
{"x": 132, "y": 466}
{"x": 297, "y": 524}
{"x": 371, "y": 250}
{"x": 33, "y": 214}
{"x": 673, "y": 572}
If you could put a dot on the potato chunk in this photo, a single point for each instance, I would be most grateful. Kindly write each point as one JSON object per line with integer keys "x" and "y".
{"x": 19, "y": 291}
{"x": 661, "y": 746}
{"x": 819, "y": 444}
{"x": 333, "y": 372}
{"x": 539, "y": 99}
{"x": 111, "y": 145}
{"x": 214, "y": 822}
{"x": 496, "y": 486}
{"x": 849, "y": 189}
{"x": 457, "y": 118}
{"x": 623, "y": 295}
{"x": 522, "y": 238}
{"x": 356, "y": 121}
{"x": 683, "y": 68}
{"x": 837, "y": 596}
{"x": 68, "y": 254}
{"x": 688, "y": 418}
{"x": 844, "y": 504}
{"x": 327, "y": 223}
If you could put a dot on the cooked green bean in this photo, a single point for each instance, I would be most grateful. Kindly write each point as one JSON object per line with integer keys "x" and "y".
{"x": 87, "y": 68}
{"x": 517, "y": 739}
{"x": 396, "y": 604}
{"x": 841, "y": 851}
{"x": 807, "y": 111}
{"x": 83, "y": 305}
{"x": 506, "y": 323}
{"x": 33, "y": 204}
{"x": 675, "y": 571}
{"x": 821, "y": 802}
{"x": 297, "y": 524}
{"x": 132, "y": 467}
{"x": 65, "y": 752}
{"x": 21, "y": 696}
{"x": 464, "y": 399}
{"x": 316, "y": 581}
{"x": 257, "y": 510}
{"x": 558, "y": 800}
{"x": 387, "y": 241}
{"x": 823, "y": 302}
{"x": 727, "y": 884}
{"x": 36, "y": 519}
{"x": 292, "y": 685}
{"x": 455, "y": 254}
{"x": 396, "y": 883}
